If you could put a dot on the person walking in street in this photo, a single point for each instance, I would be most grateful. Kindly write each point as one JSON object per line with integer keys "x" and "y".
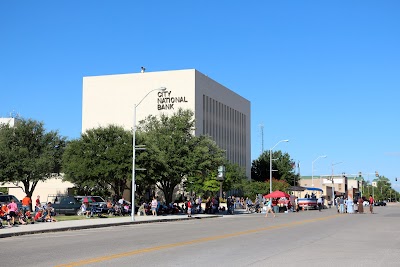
{"x": 349, "y": 205}
{"x": 371, "y": 204}
{"x": 319, "y": 203}
{"x": 269, "y": 208}
{"x": 154, "y": 204}
{"x": 337, "y": 200}
{"x": 341, "y": 204}
{"x": 360, "y": 205}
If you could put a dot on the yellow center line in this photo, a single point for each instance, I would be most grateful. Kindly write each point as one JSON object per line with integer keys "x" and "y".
{"x": 190, "y": 242}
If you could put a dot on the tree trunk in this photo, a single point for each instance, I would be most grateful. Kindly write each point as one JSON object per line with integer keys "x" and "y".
{"x": 29, "y": 191}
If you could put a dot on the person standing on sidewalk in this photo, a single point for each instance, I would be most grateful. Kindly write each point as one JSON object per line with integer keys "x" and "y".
{"x": 371, "y": 204}
{"x": 154, "y": 204}
{"x": 12, "y": 210}
{"x": 26, "y": 204}
{"x": 189, "y": 208}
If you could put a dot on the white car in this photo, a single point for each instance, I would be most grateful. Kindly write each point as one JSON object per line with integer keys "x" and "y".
{"x": 366, "y": 203}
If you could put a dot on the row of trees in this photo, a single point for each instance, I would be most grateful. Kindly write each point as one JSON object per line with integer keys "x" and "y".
{"x": 382, "y": 191}
{"x": 100, "y": 160}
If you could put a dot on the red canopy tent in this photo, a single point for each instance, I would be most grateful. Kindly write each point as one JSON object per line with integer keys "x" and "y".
{"x": 277, "y": 194}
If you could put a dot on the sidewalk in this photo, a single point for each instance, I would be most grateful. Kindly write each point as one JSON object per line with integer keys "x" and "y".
{"x": 44, "y": 227}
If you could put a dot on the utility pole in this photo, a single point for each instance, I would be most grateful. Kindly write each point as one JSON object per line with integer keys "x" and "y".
{"x": 262, "y": 137}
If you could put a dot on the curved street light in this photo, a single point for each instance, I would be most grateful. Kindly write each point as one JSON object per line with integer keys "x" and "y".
{"x": 333, "y": 182}
{"x": 270, "y": 164}
{"x": 134, "y": 151}
{"x": 312, "y": 169}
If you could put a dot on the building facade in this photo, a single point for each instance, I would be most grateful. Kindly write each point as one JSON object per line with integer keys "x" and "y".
{"x": 218, "y": 112}
{"x": 9, "y": 121}
{"x": 337, "y": 185}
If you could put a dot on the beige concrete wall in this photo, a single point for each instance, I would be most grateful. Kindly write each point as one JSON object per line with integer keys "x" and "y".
{"x": 110, "y": 99}
{"x": 43, "y": 189}
{"x": 9, "y": 121}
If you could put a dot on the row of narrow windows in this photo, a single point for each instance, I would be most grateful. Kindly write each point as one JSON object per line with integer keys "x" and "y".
{"x": 227, "y": 127}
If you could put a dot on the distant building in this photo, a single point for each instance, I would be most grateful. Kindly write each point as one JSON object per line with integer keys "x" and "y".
{"x": 342, "y": 186}
{"x": 9, "y": 121}
{"x": 218, "y": 111}
{"x": 51, "y": 186}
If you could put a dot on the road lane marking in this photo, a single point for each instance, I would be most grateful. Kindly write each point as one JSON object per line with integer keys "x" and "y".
{"x": 191, "y": 242}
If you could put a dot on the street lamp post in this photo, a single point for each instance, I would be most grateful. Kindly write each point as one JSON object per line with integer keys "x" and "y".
{"x": 270, "y": 164}
{"x": 312, "y": 170}
{"x": 134, "y": 151}
{"x": 333, "y": 183}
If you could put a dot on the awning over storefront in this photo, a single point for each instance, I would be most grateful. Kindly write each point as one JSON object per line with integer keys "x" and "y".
{"x": 314, "y": 189}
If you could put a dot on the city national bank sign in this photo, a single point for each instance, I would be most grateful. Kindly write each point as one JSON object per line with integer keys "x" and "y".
{"x": 166, "y": 100}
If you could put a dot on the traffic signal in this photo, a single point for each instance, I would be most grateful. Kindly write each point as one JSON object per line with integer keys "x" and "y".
{"x": 376, "y": 174}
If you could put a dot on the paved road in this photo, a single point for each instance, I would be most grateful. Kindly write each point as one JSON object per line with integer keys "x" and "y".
{"x": 309, "y": 238}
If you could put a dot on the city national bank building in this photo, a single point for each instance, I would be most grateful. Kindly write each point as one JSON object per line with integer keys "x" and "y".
{"x": 218, "y": 111}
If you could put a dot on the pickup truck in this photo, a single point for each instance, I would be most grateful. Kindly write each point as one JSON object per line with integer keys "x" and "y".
{"x": 68, "y": 205}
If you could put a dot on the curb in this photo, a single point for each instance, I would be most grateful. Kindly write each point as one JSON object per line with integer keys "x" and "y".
{"x": 74, "y": 228}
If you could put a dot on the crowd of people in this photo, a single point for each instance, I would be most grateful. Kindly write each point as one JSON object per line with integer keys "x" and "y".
{"x": 11, "y": 215}
{"x": 350, "y": 205}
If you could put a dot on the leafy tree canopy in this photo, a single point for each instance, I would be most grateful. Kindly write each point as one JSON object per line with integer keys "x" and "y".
{"x": 29, "y": 154}
{"x": 252, "y": 188}
{"x": 260, "y": 169}
{"x": 173, "y": 153}
{"x": 100, "y": 159}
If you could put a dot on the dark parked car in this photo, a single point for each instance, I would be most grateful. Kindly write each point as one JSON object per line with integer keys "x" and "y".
{"x": 380, "y": 203}
{"x": 68, "y": 205}
{"x": 7, "y": 199}
{"x": 97, "y": 203}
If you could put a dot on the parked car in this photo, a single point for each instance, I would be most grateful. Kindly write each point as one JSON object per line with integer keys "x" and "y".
{"x": 380, "y": 203}
{"x": 7, "y": 199}
{"x": 97, "y": 202}
{"x": 366, "y": 203}
{"x": 68, "y": 205}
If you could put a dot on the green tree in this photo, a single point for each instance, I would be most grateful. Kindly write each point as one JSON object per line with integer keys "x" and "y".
{"x": 173, "y": 153}
{"x": 233, "y": 177}
{"x": 260, "y": 170}
{"x": 204, "y": 162}
{"x": 252, "y": 188}
{"x": 29, "y": 154}
{"x": 382, "y": 190}
{"x": 100, "y": 159}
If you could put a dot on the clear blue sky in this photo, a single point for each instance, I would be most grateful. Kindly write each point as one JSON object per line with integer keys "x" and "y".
{"x": 323, "y": 74}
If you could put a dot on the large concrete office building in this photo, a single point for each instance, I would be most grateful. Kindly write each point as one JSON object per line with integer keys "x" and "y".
{"x": 219, "y": 112}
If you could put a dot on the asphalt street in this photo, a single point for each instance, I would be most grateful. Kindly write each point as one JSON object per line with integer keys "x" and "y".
{"x": 308, "y": 238}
